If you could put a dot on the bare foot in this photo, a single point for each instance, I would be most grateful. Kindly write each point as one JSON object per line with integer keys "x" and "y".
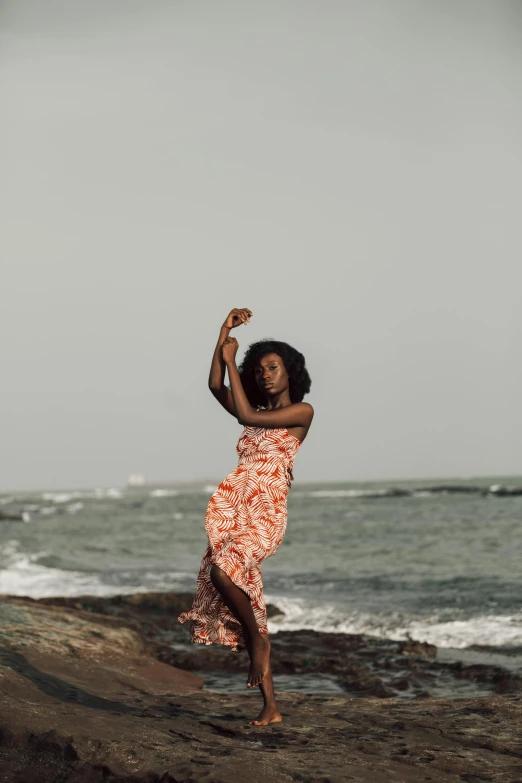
{"x": 269, "y": 714}
{"x": 260, "y": 661}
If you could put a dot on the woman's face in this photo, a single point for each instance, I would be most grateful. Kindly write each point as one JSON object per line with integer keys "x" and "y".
{"x": 271, "y": 375}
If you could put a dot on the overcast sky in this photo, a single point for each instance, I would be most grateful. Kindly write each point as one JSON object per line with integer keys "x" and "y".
{"x": 350, "y": 171}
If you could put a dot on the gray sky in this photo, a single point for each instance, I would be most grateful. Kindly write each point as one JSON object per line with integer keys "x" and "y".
{"x": 350, "y": 171}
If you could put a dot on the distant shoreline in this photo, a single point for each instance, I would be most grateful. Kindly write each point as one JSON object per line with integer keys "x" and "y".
{"x": 168, "y": 483}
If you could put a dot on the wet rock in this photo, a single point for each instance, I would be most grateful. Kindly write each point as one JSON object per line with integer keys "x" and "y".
{"x": 401, "y": 685}
{"x": 272, "y": 611}
{"x": 510, "y": 683}
{"x": 501, "y": 491}
{"x": 422, "y": 649}
{"x": 12, "y": 516}
{"x": 449, "y": 489}
{"x": 83, "y": 700}
{"x": 363, "y": 666}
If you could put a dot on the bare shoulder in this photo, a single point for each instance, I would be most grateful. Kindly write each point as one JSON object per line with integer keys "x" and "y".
{"x": 305, "y": 408}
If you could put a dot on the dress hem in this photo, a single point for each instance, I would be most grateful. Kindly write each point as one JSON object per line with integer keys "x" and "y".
{"x": 235, "y": 646}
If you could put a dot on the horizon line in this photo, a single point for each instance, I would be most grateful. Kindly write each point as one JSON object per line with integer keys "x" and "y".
{"x": 203, "y": 481}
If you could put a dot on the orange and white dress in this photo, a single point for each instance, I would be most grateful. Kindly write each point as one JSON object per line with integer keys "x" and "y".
{"x": 245, "y": 523}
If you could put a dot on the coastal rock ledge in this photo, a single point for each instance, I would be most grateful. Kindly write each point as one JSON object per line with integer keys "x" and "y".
{"x": 83, "y": 699}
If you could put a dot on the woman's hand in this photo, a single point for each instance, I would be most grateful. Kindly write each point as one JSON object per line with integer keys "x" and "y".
{"x": 229, "y": 349}
{"x": 237, "y": 316}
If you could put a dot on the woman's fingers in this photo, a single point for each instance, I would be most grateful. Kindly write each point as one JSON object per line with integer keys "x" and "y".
{"x": 239, "y": 315}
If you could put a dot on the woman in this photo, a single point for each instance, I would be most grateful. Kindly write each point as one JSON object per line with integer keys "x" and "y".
{"x": 246, "y": 516}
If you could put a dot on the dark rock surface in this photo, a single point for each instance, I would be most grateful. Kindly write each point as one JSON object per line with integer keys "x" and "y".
{"x": 13, "y": 516}
{"x": 362, "y": 665}
{"x": 84, "y": 699}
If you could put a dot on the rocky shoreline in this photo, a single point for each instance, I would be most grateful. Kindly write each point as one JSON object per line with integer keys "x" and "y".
{"x": 360, "y": 665}
{"x": 110, "y": 689}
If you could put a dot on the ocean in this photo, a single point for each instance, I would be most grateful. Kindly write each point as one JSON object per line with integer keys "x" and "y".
{"x": 438, "y": 561}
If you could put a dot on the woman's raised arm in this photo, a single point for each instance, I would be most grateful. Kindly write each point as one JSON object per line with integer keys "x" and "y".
{"x": 216, "y": 378}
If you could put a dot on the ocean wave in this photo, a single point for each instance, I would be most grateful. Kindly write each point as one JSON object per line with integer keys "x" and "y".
{"x": 354, "y": 493}
{"x": 494, "y": 490}
{"x": 39, "y": 574}
{"x": 32, "y": 511}
{"x": 22, "y": 574}
{"x": 481, "y": 630}
{"x": 163, "y": 493}
{"x": 60, "y": 497}
{"x": 94, "y": 494}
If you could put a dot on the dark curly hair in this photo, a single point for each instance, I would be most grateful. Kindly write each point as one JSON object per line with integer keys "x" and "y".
{"x": 298, "y": 378}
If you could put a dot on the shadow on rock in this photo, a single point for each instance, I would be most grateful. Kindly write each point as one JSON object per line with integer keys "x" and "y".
{"x": 59, "y": 689}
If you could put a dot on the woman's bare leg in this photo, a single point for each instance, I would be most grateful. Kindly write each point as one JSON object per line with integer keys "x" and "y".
{"x": 269, "y": 713}
{"x": 239, "y": 604}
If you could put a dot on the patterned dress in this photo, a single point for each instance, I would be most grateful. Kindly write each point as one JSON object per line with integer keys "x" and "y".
{"x": 245, "y": 523}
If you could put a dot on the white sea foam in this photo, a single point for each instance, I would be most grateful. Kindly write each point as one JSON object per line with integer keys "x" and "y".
{"x": 490, "y": 630}
{"x": 32, "y": 511}
{"x": 6, "y": 500}
{"x": 345, "y": 493}
{"x": 97, "y": 494}
{"x": 60, "y": 497}
{"x": 22, "y": 574}
{"x": 109, "y": 493}
{"x": 163, "y": 493}
{"x": 101, "y": 492}
{"x": 486, "y": 630}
